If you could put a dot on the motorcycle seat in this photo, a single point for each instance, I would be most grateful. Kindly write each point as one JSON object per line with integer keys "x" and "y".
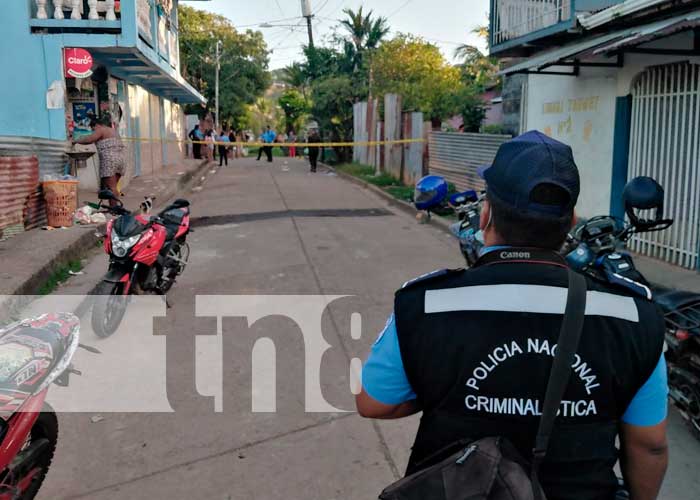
{"x": 671, "y": 300}
{"x": 172, "y": 220}
{"x": 178, "y": 204}
{"x": 29, "y": 351}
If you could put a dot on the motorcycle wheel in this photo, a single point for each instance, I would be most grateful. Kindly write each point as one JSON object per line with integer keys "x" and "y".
{"x": 693, "y": 412}
{"x": 179, "y": 255}
{"x": 183, "y": 257}
{"x": 109, "y": 308}
{"x": 45, "y": 428}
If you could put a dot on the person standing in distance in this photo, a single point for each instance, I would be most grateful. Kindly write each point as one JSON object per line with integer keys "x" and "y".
{"x": 268, "y": 138}
{"x": 314, "y": 151}
{"x": 472, "y": 349}
{"x": 196, "y": 137}
{"x": 223, "y": 139}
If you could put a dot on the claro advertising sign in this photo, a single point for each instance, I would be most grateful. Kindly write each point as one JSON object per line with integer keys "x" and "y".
{"x": 77, "y": 62}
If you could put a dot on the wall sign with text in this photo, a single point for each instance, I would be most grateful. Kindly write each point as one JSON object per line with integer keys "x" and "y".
{"x": 78, "y": 63}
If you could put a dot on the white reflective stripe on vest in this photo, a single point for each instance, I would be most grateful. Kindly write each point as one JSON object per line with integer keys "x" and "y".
{"x": 536, "y": 299}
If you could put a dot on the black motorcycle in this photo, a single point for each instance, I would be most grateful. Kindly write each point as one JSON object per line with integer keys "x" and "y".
{"x": 597, "y": 247}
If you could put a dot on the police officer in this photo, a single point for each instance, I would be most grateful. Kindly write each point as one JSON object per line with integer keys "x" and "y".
{"x": 472, "y": 349}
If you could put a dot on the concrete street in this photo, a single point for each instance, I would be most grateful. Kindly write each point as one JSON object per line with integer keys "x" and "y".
{"x": 263, "y": 229}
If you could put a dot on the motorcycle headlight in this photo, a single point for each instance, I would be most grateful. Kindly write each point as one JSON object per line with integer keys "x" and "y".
{"x": 120, "y": 246}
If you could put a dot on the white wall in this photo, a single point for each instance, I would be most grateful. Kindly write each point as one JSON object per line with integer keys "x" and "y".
{"x": 581, "y": 113}
{"x": 557, "y": 106}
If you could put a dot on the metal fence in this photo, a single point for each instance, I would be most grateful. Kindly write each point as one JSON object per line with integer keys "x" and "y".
{"x": 457, "y": 156}
{"x": 52, "y": 160}
{"x": 51, "y": 154}
{"x": 403, "y": 161}
{"x": 665, "y": 145}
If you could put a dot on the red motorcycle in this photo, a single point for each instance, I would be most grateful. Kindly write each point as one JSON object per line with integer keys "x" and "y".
{"x": 146, "y": 255}
{"x": 33, "y": 354}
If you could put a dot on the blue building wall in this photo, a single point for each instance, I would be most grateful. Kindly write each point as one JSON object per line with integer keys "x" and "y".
{"x": 31, "y": 62}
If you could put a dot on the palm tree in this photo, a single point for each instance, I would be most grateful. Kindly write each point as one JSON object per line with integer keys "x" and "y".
{"x": 468, "y": 54}
{"x": 296, "y": 75}
{"x": 366, "y": 33}
{"x": 477, "y": 67}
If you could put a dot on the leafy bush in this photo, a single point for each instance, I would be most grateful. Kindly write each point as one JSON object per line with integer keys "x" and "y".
{"x": 493, "y": 129}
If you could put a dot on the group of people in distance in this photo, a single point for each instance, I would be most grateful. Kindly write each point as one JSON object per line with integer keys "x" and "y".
{"x": 270, "y": 139}
{"x": 206, "y": 144}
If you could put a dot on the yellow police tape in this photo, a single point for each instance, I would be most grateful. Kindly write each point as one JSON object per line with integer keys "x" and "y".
{"x": 280, "y": 144}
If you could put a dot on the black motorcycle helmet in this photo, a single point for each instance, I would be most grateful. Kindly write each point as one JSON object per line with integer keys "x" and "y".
{"x": 643, "y": 193}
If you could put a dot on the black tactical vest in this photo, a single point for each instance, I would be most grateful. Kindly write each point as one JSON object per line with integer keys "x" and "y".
{"x": 477, "y": 346}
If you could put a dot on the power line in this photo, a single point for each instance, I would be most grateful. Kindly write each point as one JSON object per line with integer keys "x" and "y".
{"x": 337, "y": 6}
{"x": 267, "y": 22}
{"x": 399, "y": 9}
{"x": 321, "y": 7}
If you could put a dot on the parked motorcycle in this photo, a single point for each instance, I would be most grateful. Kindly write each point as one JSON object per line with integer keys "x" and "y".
{"x": 34, "y": 353}
{"x": 431, "y": 194}
{"x": 146, "y": 255}
{"x": 597, "y": 247}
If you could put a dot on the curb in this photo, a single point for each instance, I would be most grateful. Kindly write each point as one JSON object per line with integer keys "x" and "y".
{"x": 81, "y": 248}
{"x": 434, "y": 220}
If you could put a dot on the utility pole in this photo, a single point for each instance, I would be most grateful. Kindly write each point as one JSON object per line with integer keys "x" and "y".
{"x": 308, "y": 14}
{"x": 219, "y": 43}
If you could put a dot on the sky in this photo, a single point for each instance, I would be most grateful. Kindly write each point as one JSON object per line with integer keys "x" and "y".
{"x": 447, "y": 23}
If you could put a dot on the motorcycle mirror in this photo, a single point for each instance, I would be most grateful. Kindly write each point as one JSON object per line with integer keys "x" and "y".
{"x": 458, "y": 199}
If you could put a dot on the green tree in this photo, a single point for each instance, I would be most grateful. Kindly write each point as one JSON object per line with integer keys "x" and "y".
{"x": 295, "y": 107}
{"x": 478, "y": 68}
{"x": 416, "y": 70}
{"x": 333, "y": 109}
{"x": 366, "y": 32}
{"x": 244, "y": 77}
{"x": 295, "y": 75}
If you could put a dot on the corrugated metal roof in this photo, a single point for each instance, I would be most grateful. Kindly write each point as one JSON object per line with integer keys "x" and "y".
{"x": 601, "y": 17}
{"x": 609, "y": 43}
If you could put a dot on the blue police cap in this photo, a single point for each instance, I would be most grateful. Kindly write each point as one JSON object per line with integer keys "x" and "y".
{"x": 526, "y": 162}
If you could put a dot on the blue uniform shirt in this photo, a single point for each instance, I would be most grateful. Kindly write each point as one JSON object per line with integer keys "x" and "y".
{"x": 269, "y": 137}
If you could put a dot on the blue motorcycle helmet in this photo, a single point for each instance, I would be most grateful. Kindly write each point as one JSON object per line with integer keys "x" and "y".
{"x": 431, "y": 192}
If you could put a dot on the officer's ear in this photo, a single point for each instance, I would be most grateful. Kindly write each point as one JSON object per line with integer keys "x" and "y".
{"x": 485, "y": 216}
{"x": 574, "y": 220}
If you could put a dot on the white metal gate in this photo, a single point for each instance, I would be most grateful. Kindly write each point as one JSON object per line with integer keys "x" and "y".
{"x": 665, "y": 145}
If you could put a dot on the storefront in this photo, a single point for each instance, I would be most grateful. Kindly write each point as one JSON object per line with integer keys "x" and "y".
{"x": 628, "y": 103}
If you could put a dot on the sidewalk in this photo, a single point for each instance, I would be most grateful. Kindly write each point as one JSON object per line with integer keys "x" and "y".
{"x": 30, "y": 258}
{"x": 668, "y": 275}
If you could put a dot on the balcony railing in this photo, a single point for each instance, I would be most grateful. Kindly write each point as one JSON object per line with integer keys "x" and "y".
{"x": 60, "y": 9}
{"x": 516, "y": 18}
{"x": 75, "y": 16}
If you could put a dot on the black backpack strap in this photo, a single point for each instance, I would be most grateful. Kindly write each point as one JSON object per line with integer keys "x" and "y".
{"x": 569, "y": 337}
